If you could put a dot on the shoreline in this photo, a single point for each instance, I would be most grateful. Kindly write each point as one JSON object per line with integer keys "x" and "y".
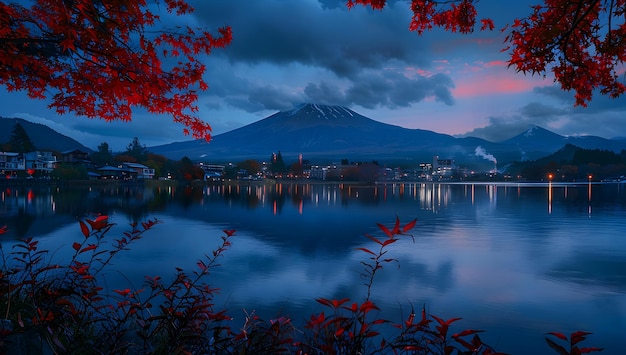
{"x": 12, "y": 183}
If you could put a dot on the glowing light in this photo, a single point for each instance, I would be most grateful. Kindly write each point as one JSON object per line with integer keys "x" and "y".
{"x": 550, "y": 198}
{"x": 589, "y": 192}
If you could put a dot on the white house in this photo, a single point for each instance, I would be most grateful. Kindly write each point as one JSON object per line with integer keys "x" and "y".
{"x": 11, "y": 162}
{"x": 40, "y": 161}
{"x": 142, "y": 171}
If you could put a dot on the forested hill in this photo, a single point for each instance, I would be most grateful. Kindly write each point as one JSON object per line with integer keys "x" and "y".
{"x": 42, "y": 136}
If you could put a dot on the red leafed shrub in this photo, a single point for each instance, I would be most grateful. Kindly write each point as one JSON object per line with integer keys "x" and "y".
{"x": 575, "y": 338}
{"x": 65, "y": 307}
{"x": 68, "y": 307}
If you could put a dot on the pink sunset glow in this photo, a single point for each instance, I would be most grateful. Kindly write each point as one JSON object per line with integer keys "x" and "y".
{"x": 494, "y": 77}
{"x": 293, "y": 52}
{"x": 489, "y": 85}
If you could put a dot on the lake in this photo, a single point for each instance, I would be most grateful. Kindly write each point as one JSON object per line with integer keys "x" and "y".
{"x": 516, "y": 260}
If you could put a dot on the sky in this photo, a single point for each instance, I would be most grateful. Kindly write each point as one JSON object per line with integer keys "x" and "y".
{"x": 287, "y": 52}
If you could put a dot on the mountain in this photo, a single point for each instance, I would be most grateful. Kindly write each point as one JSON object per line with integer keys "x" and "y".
{"x": 537, "y": 141}
{"x": 42, "y": 136}
{"x": 324, "y": 133}
{"x": 564, "y": 155}
{"x": 330, "y": 133}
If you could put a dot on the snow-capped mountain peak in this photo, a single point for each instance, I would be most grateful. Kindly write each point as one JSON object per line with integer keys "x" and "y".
{"x": 530, "y": 131}
{"x": 321, "y": 111}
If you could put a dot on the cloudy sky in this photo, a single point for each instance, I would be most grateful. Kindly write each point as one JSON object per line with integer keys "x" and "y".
{"x": 287, "y": 52}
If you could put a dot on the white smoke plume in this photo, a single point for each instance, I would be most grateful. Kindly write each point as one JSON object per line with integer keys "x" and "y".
{"x": 480, "y": 151}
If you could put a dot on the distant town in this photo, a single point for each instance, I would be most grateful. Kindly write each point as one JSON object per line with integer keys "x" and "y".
{"x": 128, "y": 166}
{"x": 78, "y": 164}
{"x": 20, "y": 160}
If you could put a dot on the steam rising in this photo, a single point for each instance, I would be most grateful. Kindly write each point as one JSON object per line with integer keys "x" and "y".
{"x": 480, "y": 151}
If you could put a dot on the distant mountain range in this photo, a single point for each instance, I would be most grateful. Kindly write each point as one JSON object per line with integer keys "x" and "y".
{"x": 536, "y": 142}
{"x": 331, "y": 133}
{"x": 327, "y": 134}
{"x": 42, "y": 136}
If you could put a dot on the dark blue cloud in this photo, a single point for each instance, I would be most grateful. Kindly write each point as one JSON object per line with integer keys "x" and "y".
{"x": 383, "y": 89}
{"x": 316, "y": 34}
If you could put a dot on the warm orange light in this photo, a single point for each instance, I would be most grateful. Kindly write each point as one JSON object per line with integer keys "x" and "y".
{"x": 550, "y": 176}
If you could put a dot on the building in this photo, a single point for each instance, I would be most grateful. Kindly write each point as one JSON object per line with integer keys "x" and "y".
{"x": 11, "y": 163}
{"x": 139, "y": 171}
{"x": 425, "y": 171}
{"x": 40, "y": 162}
{"x": 317, "y": 172}
{"x": 213, "y": 172}
{"x": 74, "y": 156}
{"x": 444, "y": 168}
{"x": 112, "y": 172}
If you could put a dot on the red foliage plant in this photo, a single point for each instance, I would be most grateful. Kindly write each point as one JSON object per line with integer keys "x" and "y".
{"x": 66, "y": 305}
{"x": 103, "y": 58}
{"x": 575, "y": 338}
{"x": 580, "y": 42}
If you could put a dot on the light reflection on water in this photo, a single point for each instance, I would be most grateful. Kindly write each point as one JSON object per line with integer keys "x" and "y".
{"x": 518, "y": 260}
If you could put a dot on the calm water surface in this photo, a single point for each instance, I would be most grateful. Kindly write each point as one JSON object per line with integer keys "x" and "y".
{"x": 515, "y": 260}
